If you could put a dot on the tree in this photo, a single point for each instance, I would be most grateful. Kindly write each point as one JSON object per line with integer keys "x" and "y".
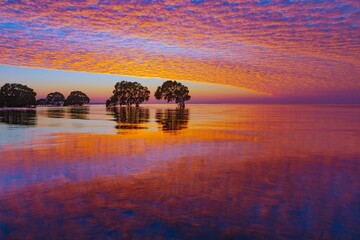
{"x": 173, "y": 91}
{"x": 112, "y": 101}
{"x": 139, "y": 94}
{"x": 41, "y": 101}
{"x": 17, "y": 95}
{"x": 76, "y": 98}
{"x": 2, "y": 100}
{"x": 55, "y": 98}
{"x": 128, "y": 93}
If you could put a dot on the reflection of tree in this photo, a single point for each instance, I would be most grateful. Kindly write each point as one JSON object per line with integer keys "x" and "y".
{"x": 78, "y": 112}
{"x": 172, "y": 119}
{"x": 130, "y": 118}
{"x": 56, "y": 112}
{"x": 19, "y": 117}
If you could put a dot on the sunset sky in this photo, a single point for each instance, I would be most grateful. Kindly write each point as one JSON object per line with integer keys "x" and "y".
{"x": 250, "y": 51}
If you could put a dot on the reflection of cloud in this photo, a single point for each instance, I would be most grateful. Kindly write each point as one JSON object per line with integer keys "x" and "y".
{"x": 278, "y": 47}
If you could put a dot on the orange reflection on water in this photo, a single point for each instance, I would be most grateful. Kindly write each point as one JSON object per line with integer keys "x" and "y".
{"x": 264, "y": 172}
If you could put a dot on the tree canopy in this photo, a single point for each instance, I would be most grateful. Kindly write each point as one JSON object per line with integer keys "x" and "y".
{"x": 17, "y": 95}
{"x": 41, "y": 101}
{"x": 55, "y": 99}
{"x": 76, "y": 98}
{"x": 128, "y": 93}
{"x": 173, "y": 91}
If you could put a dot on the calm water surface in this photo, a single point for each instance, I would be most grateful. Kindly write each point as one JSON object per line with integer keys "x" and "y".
{"x": 206, "y": 172}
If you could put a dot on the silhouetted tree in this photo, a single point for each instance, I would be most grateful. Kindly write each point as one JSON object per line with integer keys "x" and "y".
{"x": 2, "y": 101}
{"x": 76, "y": 98}
{"x": 17, "y": 95}
{"x": 41, "y": 102}
{"x": 55, "y": 99}
{"x": 112, "y": 101}
{"x": 173, "y": 91}
{"x": 128, "y": 93}
{"x": 139, "y": 94}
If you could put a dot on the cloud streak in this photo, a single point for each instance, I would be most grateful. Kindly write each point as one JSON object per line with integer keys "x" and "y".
{"x": 280, "y": 47}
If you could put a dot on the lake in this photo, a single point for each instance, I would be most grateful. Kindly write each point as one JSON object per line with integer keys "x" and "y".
{"x": 204, "y": 172}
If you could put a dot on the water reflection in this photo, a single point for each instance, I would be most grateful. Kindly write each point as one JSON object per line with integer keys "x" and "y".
{"x": 197, "y": 198}
{"x": 130, "y": 117}
{"x": 18, "y": 117}
{"x": 234, "y": 172}
{"x": 56, "y": 112}
{"x": 79, "y": 112}
{"x": 172, "y": 119}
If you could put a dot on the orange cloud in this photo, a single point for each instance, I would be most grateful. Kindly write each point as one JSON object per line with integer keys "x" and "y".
{"x": 276, "y": 47}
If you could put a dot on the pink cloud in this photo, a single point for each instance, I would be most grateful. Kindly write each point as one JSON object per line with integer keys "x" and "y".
{"x": 276, "y": 47}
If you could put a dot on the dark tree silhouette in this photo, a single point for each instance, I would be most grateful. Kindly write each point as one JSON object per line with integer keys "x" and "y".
{"x": 128, "y": 93}
{"x": 55, "y": 99}
{"x": 112, "y": 101}
{"x": 76, "y": 98}
{"x": 41, "y": 102}
{"x": 17, "y": 95}
{"x": 173, "y": 91}
{"x": 2, "y": 100}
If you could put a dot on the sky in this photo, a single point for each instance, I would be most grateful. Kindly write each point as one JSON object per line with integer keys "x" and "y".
{"x": 225, "y": 50}
{"x": 99, "y": 87}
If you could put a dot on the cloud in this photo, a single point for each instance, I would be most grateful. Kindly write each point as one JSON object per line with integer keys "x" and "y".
{"x": 278, "y": 47}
